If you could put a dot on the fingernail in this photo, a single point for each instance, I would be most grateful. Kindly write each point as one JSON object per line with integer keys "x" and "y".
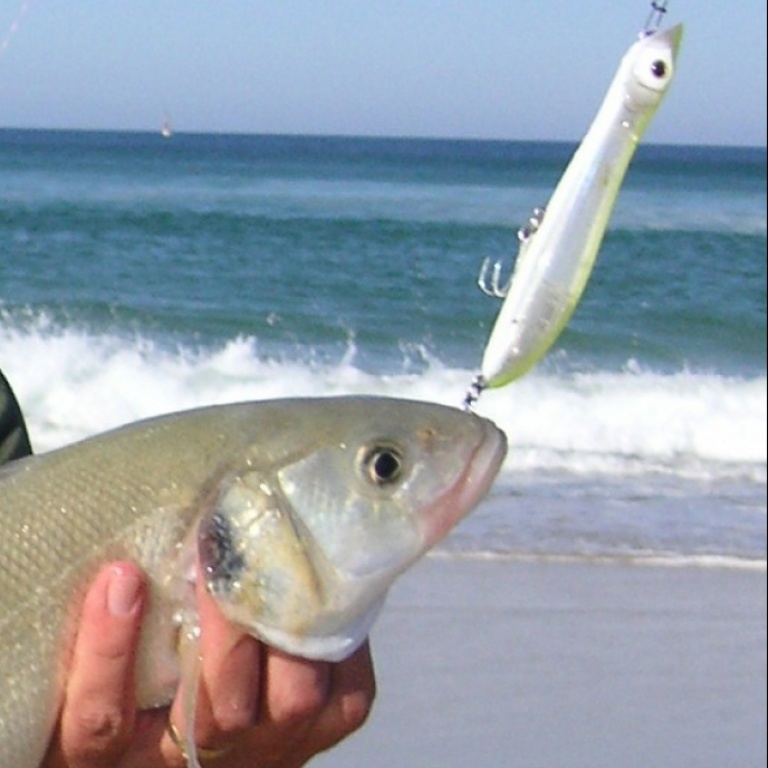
{"x": 124, "y": 592}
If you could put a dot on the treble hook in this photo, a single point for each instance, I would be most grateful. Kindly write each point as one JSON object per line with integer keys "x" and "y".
{"x": 655, "y": 17}
{"x": 493, "y": 286}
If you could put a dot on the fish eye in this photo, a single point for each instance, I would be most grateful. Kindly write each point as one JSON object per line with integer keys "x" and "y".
{"x": 659, "y": 68}
{"x": 382, "y": 464}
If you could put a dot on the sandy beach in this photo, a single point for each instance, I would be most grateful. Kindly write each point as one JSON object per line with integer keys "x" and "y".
{"x": 492, "y": 664}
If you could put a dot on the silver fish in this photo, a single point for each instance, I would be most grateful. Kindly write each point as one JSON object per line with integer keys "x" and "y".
{"x": 301, "y": 513}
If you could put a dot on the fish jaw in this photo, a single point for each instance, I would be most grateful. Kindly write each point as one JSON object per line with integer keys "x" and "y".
{"x": 333, "y": 534}
{"x": 438, "y": 519}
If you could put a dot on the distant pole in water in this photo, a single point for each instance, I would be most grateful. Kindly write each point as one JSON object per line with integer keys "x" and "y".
{"x": 15, "y": 24}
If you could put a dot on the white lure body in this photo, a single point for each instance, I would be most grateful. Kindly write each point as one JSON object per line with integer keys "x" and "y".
{"x": 555, "y": 261}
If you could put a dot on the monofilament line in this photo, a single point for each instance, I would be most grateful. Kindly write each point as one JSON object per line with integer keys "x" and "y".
{"x": 14, "y": 28}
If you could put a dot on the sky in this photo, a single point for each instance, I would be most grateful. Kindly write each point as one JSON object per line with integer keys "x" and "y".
{"x": 484, "y": 69}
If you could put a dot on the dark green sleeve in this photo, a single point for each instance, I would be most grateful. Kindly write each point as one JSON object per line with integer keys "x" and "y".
{"x": 14, "y": 441}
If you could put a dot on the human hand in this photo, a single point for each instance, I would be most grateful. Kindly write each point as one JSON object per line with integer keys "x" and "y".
{"x": 257, "y": 707}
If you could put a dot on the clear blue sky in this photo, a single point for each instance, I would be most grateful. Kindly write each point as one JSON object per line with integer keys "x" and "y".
{"x": 454, "y": 68}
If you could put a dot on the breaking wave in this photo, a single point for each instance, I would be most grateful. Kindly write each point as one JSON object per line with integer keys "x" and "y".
{"x": 73, "y": 383}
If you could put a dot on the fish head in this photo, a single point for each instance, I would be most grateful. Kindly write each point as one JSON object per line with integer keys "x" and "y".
{"x": 651, "y": 64}
{"x": 301, "y": 552}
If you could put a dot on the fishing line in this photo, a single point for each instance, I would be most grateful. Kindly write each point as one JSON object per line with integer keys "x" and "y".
{"x": 14, "y": 28}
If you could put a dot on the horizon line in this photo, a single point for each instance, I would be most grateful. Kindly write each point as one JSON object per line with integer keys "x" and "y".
{"x": 361, "y": 136}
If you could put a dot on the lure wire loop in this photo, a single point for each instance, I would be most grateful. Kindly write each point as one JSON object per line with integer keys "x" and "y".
{"x": 473, "y": 393}
{"x": 655, "y": 17}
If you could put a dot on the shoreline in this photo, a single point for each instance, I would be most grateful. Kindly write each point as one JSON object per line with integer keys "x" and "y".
{"x": 516, "y": 664}
{"x": 631, "y": 560}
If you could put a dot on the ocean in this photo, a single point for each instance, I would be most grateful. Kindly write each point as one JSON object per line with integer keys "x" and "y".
{"x": 140, "y": 275}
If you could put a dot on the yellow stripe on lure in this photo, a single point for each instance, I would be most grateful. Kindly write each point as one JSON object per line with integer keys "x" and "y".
{"x": 559, "y": 248}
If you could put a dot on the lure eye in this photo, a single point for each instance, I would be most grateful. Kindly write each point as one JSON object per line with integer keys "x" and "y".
{"x": 659, "y": 68}
{"x": 382, "y": 465}
{"x": 653, "y": 72}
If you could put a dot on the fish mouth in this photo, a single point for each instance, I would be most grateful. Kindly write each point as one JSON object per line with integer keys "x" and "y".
{"x": 437, "y": 519}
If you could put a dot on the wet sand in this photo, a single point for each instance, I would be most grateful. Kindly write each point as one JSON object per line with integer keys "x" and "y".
{"x": 490, "y": 664}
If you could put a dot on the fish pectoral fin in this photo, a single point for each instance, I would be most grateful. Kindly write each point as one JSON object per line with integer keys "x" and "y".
{"x": 191, "y": 669}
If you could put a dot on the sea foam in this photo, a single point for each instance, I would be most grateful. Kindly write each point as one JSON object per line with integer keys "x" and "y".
{"x": 73, "y": 384}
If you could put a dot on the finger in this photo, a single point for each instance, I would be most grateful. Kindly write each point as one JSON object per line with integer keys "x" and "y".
{"x": 294, "y": 693}
{"x": 99, "y": 708}
{"x": 232, "y": 662}
{"x": 353, "y": 691}
{"x": 295, "y": 690}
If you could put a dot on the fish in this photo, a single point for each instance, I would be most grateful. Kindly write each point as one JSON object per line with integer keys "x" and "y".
{"x": 299, "y": 514}
{"x": 559, "y": 246}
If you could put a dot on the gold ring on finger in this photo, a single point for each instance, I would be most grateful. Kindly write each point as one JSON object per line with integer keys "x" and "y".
{"x": 203, "y": 754}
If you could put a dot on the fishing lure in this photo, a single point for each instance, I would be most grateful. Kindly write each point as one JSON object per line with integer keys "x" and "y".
{"x": 559, "y": 245}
